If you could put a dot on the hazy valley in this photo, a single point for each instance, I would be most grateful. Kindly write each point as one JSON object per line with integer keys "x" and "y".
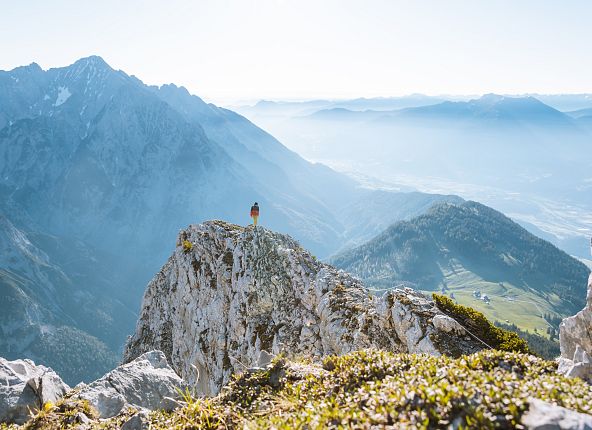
{"x": 527, "y": 156}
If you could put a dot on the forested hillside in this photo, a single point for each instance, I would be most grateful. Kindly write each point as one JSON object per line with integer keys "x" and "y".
{"x": 466, "y": 248}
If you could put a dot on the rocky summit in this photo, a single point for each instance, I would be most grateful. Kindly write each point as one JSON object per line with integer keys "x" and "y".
{"x": 231, "y": 297}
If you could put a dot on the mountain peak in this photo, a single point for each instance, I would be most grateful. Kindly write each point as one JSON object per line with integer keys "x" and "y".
{"x": 246, "y": 292}
{"x": 31, "y": 68}
{"x": 92, "y": 65}
{"x": 512, "y": 101}
{"x": 175, "y": 89}
{"x": 491, "y": 98}
{"x": 93, "y": 61}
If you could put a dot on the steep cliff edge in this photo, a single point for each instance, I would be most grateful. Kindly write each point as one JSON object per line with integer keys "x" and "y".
{"x": 575, "y": 335}
{"x": 229, "y": 295}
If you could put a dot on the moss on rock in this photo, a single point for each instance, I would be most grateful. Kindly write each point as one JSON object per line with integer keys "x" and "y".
{"x": 480, "y": 326}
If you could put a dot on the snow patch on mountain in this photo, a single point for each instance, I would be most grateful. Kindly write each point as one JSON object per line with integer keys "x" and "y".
{"x": 63, "y": 95}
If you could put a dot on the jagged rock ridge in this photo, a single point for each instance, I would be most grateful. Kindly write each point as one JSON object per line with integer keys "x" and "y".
{"x": 230, "y": 294}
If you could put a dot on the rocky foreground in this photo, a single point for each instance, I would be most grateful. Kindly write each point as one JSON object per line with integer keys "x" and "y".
{"x": 147, "y": 383}
{"x": 280, "y": 340}
{"x": 363, "y": 389}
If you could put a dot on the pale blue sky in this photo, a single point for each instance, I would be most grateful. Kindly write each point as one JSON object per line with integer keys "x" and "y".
{"x": 246, "y": 49}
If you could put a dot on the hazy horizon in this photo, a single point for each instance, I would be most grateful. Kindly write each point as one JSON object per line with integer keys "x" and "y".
{"x": 230, "y": 102}
{"x": 232, "y": 51}
{"x": 253, "y": 101}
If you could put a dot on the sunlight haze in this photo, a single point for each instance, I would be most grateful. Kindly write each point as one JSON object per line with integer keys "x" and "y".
{"x": 234, "y": 51}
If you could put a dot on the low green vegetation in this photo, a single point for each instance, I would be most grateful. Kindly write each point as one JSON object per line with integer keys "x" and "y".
{"x": 62, "y": 414}
{"x": 372, "y": 388}
{"x": 71, "y": 413}
{"x": 480, "y": 326}
{"x": 187, "y": 246}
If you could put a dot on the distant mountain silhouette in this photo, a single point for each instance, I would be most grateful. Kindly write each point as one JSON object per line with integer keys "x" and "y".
{"x": 490, "y": 110}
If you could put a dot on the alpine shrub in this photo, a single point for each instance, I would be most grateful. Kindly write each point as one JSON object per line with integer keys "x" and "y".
{"x": 481, "y": 327}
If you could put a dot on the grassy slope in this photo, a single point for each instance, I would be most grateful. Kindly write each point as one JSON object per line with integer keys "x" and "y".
{"x": 521, "y": 306}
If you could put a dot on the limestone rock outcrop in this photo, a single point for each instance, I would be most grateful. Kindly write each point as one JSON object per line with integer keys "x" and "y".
{"x": 575, "y": 337}
{"x": 230, "y": 295}
{"x": 542, "y": 415}
{"x": 147, "y": 382}
{"x": 25, "y": 388}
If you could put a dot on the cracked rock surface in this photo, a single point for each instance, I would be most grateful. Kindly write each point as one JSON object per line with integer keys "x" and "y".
{"x": 147, "y": 382}
{"x": 229, "y": 294}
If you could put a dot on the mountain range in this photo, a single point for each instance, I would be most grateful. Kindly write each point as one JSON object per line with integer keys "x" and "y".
{"x": 561, "y": 102}
{"x": 99, "y": 172}
{"x": 491, "y": 110}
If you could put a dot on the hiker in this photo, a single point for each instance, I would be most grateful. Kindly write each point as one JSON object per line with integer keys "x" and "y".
{"x": 255, "y": 213}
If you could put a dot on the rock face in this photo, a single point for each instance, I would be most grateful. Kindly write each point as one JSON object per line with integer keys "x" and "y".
{"x": 147, "y": 382}
{"x": 546, "y": 416}
{"x": 230, "y": 295}
{"x": 575, "y": 337}
{"x": 25, "y": 387}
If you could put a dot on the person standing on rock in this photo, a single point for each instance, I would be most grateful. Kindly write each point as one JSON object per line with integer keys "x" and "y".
{"x": 255, "y": 213}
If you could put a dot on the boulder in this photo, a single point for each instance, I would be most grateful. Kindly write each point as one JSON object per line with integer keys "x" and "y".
{"x": 542, "y": 415}
{"x": 139, "y": 421}
{"x": 147, "y": 382}
{"x": 579, "y": 367}
{"x": 25, "y": 388}
{"x": 265, "y": 358}
{"x": 239, "y": 296}
{"x": 448, "y": 325}
{"x": 575, "y": 337}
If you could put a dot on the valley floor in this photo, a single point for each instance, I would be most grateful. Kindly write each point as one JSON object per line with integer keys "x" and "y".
{"x": 508, "y": 303}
